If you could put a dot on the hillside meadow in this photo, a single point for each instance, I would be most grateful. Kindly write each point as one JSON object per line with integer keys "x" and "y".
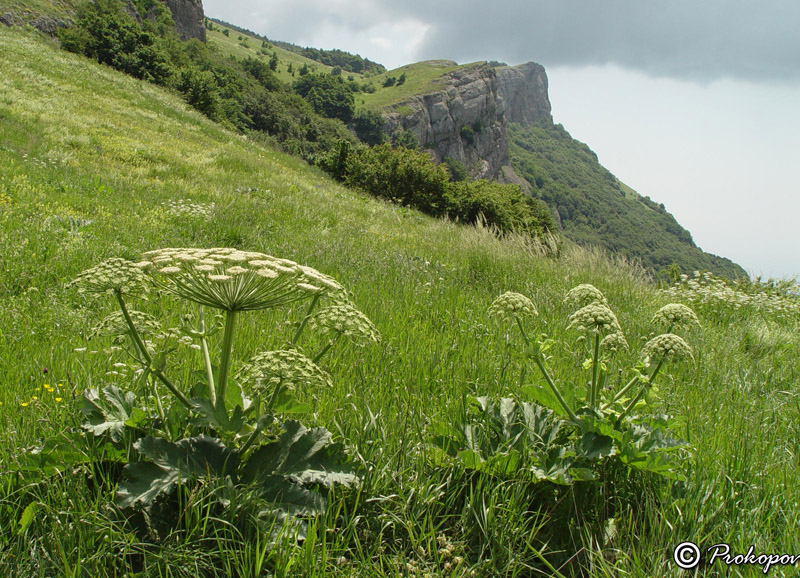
{"x": 95, "y": 165}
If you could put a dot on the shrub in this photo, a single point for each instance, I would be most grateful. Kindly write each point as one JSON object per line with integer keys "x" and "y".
{"x": 105, "y": 33}
{"x": 328, "y": 95}
{"x": 368, "y": 126}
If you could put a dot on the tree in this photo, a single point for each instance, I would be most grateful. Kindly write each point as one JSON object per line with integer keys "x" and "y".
{"x": 328, "y": 95}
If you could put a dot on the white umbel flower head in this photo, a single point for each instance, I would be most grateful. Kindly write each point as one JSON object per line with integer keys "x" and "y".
{"x": 286, "y": 367}
{"x": 345, "y": 319}
{"x": 667, "y": 345}
{"x": 510, "y": 306}
{"x": 113, "y": 276}
{"x": 114, "y": 325}
{"x": 235, "y": 280}
{"x": 595, "y": 317}
{"x": 584, "y": 294}
{"x": 614, "y": 342}
{"x": 677, "y": 316}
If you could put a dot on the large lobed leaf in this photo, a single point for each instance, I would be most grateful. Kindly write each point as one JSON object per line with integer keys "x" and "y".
{"x": 173, "y": 463}
{"x": 110, "y": 412}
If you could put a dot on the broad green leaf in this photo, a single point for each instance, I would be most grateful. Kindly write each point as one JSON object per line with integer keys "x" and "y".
{"x": 110, "y": 412}
{"x": 301, "y": 455}
{"x": 217, "y": 417}
{"x": 27, "y": 517}
{"x": 172, "y": 463}
{"x": 593, "y": 446}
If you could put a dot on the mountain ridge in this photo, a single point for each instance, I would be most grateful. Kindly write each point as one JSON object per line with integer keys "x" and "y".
{"x": 466, "y": 114}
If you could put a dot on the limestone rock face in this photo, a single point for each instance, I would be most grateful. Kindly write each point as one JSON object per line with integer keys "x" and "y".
{"x": 466, "y": 119}
{"x": 189, "y": 18}
{"x": 523, "y": 88}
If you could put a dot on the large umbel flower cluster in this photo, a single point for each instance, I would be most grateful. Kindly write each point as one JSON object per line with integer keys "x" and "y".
{"x": 285, "y": 368}
{"x": 234, "y": 280}
{"x": 112, "y": 277}
{"x": 344, "y": 319}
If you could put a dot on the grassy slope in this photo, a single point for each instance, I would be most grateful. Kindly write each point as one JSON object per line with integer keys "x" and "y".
{"x": 88, "y": 158}
{"x": 28, "y": 10}
{"x": 421, "y": 78}
{"x": 250, "y": 47}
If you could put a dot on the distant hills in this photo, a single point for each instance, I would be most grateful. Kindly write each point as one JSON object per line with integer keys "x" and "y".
{"x": 485, "y": 119}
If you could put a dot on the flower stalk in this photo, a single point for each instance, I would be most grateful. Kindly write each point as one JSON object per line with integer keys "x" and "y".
{"x": 225, "y": 357}
{"x": 137, "y": 339}
{"x": 212, "y": 391}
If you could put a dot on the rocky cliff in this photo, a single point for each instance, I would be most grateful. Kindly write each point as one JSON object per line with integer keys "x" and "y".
{"x": 187, "y": 14}
{"x": 466, "y": 119}
{"x": 189, "y": 18}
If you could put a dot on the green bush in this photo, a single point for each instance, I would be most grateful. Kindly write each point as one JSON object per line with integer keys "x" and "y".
{"x": 200, "y": 89}
{"x": 328, "y": 95}
{"x": 413, "y": 179}
{"x": 368, "y": 125}
{"x": 105, "y": 33}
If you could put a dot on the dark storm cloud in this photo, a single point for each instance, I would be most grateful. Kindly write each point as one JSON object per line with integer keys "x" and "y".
{"x": 691, "y": 39}
{"x": 695, "y": 39}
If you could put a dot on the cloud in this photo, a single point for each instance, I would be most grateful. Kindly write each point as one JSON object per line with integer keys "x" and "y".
{"x": 698, "y": 40}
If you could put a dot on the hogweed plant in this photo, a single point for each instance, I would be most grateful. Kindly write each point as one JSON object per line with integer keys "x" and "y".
{"x": 564, "y": 432}
{"x": 224, "y": 432}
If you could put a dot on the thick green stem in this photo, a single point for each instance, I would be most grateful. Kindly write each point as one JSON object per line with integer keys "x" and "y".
{"x": 325, "y": 349}
{"x": 275, "y": 394}
{"x": 307, "y": 316}
{"x": 595, "y": 366}
{"x": 522, "y": 331}
{"x": 225, "y": 357}
{"x": 212, "y": 391}
{"x": 147, "y": 357}
{"x": 625, "y": 389}
{"x": 642, "y": 391}
{"x": 551, "y": 383}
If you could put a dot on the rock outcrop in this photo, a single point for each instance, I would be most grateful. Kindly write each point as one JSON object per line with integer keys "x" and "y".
{"x": 466, "y": 119}
{"x": 189, "y": 18}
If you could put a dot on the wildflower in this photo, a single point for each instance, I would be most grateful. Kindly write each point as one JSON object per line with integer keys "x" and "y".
{"x": 235, "y": 280}
{"x": 594, "y": 317}
{"x": 113, "y": 276}
{"x": 676, "y": 315}
{"x": 667, "y": 345}
{"x": 59, "y": 399}
{"x": 584, "y": 294}
{"x": 114, "y": 325}
{"x": 287, "y": 368}
{"x": 614, "y": 342}
{"x": 345, "y": 319}
{"x": 510, "y": 306}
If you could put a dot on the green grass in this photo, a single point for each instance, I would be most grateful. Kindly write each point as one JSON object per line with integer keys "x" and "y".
{"x": 421, "y": 78}
{"x": 250, "y": 47}
{"x": 88, "y": 160}
{"x": 29, "y": 10}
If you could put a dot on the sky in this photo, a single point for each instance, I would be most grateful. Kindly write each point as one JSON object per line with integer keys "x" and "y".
{"x": 695, "y": 104}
